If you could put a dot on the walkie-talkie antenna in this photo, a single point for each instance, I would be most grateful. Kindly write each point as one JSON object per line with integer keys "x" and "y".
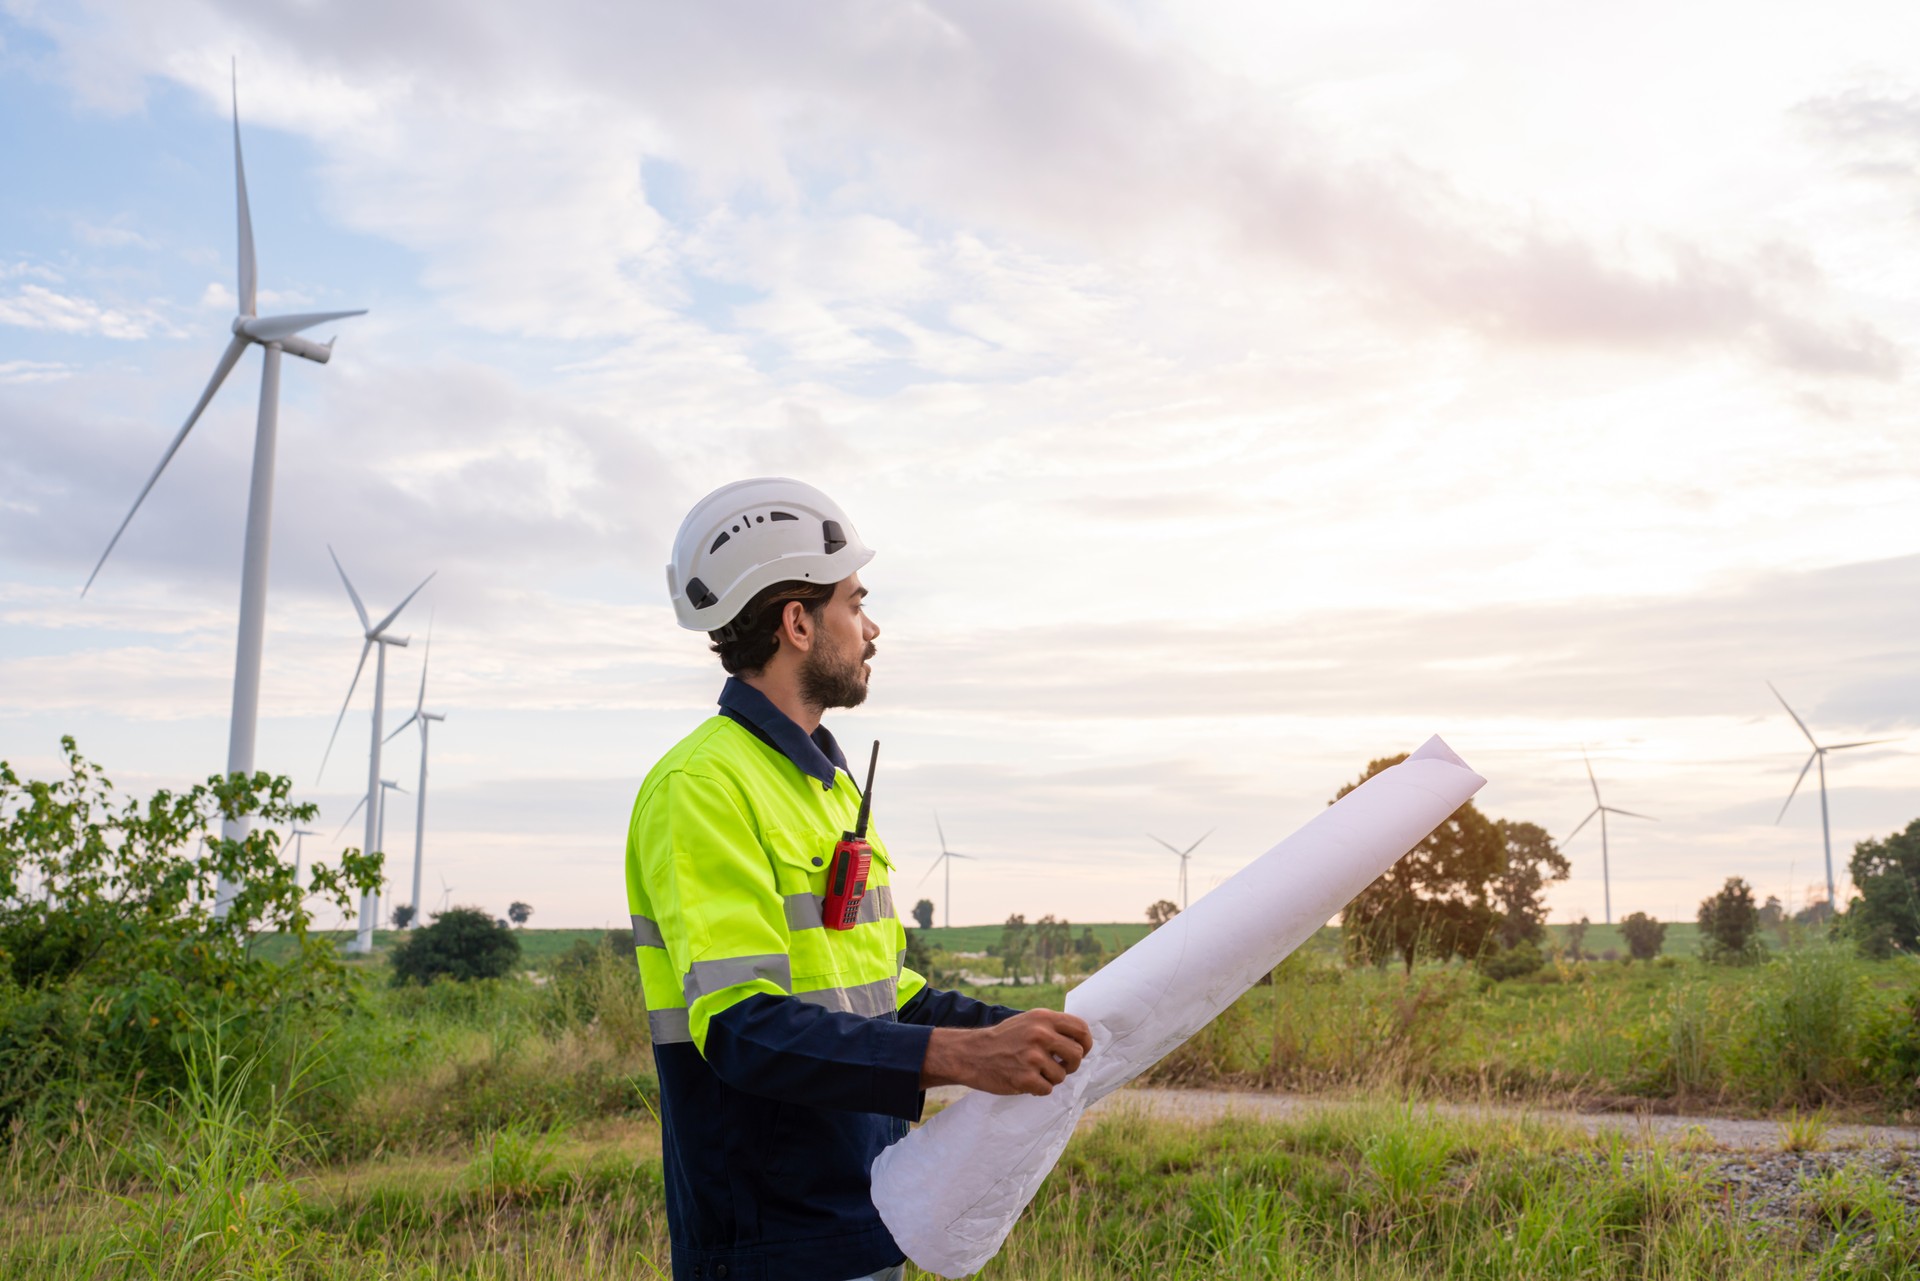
{"x": 866, "y": 794}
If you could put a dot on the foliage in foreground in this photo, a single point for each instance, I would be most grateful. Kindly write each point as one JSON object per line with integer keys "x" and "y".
{"x": 1380, "y": 1192}
{"x": 110, "y": 949}
{"x": 1886, "y": 918}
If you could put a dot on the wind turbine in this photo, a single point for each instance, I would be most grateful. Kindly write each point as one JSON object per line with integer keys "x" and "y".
{"x": 946, "y": 856}
{"x": 424, "y": 718}
{"x": 1183, "y": 855}
{"x": 273, "y": 335}
{"x": 375, "y": 638}
{"x": 1602, "y": 809}
{"x": 1820, "y": 755}
{"x": 298, "y": 834}
{"x": 379, "y": 829}
{"x": 446, "y": 893}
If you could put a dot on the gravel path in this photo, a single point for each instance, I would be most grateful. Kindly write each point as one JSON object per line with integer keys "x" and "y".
{"x": 1725, "y": 1132}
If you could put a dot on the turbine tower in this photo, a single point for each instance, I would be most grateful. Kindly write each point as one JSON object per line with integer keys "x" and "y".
{"x": 1183, "y": 855}
{"x": 299, "y": 835}
{"x": 1819, "y": 755}
{"x": 379, "y": 822}
{"x": 273, "y": 335}
{"x": 1602, "y": 809}
{"x": 946, "y": 856}
{"x": 424, "y": 718}
{"x": 376, "y": 637}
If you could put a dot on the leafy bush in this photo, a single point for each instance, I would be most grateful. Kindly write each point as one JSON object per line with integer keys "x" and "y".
{"x": 462, "y": 943}
{"x": 1887, "y": 874}
{"x": 1514, "y": 962}
{"x": 1731, "y": 924}
{"x": 1645, "y": 936}
{"x": 112, "y": 951}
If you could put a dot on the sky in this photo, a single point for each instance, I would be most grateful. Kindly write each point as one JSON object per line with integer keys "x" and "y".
{"x": 1234, "y": 394}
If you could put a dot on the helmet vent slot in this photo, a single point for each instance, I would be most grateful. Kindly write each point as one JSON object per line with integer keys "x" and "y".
{"x": 781, "y": 516}
{"x": 724, "y": 537}
{"x": 830, "y": 532}
{"x": 700, "y": 594}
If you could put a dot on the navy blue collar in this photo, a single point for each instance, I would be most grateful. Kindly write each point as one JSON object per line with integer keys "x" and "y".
{"x": 816, "y": 754}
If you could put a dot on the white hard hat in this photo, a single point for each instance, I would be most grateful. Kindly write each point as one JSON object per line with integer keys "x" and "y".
{"x": 745, "y": 537}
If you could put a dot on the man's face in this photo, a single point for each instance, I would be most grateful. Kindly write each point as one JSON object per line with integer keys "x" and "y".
{"x": 834, "y": 672}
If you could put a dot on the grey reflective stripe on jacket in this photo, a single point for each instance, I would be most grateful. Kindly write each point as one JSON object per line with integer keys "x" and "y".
{"x": 805, "y": 911}
{"x": 708, "y": 977}
{"x": 646, "y": 933}
{"x": 868, "y": 999}
{"x": 669, "y": 1027}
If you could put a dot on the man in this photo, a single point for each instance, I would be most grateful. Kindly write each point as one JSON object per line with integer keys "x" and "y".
{"x": 789, "y": 1054}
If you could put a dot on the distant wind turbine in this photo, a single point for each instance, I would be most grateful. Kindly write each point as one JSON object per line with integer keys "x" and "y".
{"x": 1602, "y": 809}
{"x": 423, "y": 718}
{"x": 273, "y": 335}
{"x": 1819, "y": 755}
{"x": 375, "y": 638}
{"x": 379, "y": 842}
{"x": 946, "y": 857}
{"x": 446, "y": 893}
{"x": 299, "y": 835}
{"x": 1183, "y": 855}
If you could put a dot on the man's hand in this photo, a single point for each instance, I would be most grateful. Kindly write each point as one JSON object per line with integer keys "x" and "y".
{"x": 1030, "y": 1053}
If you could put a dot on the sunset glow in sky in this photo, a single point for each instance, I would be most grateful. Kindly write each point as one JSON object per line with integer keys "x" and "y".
{"x": 1232, "y": 394}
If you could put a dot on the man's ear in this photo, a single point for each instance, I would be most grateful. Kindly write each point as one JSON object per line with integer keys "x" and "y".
{"x": 796, "y": 626}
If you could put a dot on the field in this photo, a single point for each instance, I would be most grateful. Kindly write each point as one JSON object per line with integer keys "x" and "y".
{"x": 507, "y": 1128}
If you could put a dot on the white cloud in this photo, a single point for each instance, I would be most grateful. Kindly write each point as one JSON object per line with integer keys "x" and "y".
{"x": 33, "y": 371}
{"x": 37, "y": 307}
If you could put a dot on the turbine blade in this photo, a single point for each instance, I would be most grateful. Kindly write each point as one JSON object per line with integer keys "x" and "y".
{"x": 365, "y": 645}
{"x": 1196, "y": 845}
{"x": 426, "y": 659}
{"x": 358, "y": 806}
{"x": 931, "y": 869}
{"x": 358, "y": 608}
{"x": 383, "y": 623}
{"x": 1630, "y": 814}
{"x": 228, "y": 359}
{"x": 403, "y": 724}
{"x": 941, "y": 830}
{"x": 1796, "y": 786}
{"x": 1568, "y": 839}
{"x": 249, "y": 270}
{"x": 1869, "y": 742}
{"x": 274, "y": 328}
{"x": 1171, "y": 847}
{"x": 1796, "y": 717}
{"x": 1590, "y": 778}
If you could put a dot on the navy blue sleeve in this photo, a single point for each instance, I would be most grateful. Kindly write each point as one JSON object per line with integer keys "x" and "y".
{"x": 782, "y": 1048}
{"x": 931, "y": 1008}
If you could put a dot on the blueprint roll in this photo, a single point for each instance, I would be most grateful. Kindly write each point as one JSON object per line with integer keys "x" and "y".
{"x": 951, "y": 1190}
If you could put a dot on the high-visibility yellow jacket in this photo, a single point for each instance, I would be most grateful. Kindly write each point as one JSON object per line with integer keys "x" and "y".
{"x": 789, "y": 1054}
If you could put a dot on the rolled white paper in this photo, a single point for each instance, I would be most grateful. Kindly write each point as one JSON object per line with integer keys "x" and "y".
{"x": 952, "y": 1189}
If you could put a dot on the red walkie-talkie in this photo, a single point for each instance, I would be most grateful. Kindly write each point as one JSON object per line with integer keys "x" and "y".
{"x": 852, "y": 858}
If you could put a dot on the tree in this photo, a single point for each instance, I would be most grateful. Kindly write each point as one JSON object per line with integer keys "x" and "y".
{"x": 1437, "y": 901}
{"x": 519, "y": 913}
{"x": 463, "y": 943}
{"x": 923, "y": 913}
{"x": 112, "y": 958}
{"x": 1160, "y": 913}
{"x": 1051, "y": 937}
{"x": 1532, "y": 863}
{"x": 1772, "y": 912}
{"x": 1645, "y": 936}
{"x": 402, "y": 915}
{"x": 1015, "y": 939}
{"x": 1088, "y": 947}
{"x": 1577, "y": 939}
{"x": 1887, "y": 875}
{"x": 1730, "y": 920}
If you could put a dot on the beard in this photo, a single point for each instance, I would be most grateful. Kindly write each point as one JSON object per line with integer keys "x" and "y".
{"x": 835, "y": 677}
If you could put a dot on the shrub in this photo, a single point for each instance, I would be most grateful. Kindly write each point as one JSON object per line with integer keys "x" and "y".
{"x": 462, "y": 943}
{"x": 1513, "y": 962}
{"x": 1887, "y": 874}
{"x": 1645, "y": 936}
{"x": 1730, "y": 922}
{"x": 112, "y": 953}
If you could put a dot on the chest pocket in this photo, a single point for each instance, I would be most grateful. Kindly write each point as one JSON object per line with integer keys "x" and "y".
{"x": 822, "y": 957}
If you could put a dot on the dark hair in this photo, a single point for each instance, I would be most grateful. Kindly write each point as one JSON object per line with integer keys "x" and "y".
{"x": 750, "y": 641}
